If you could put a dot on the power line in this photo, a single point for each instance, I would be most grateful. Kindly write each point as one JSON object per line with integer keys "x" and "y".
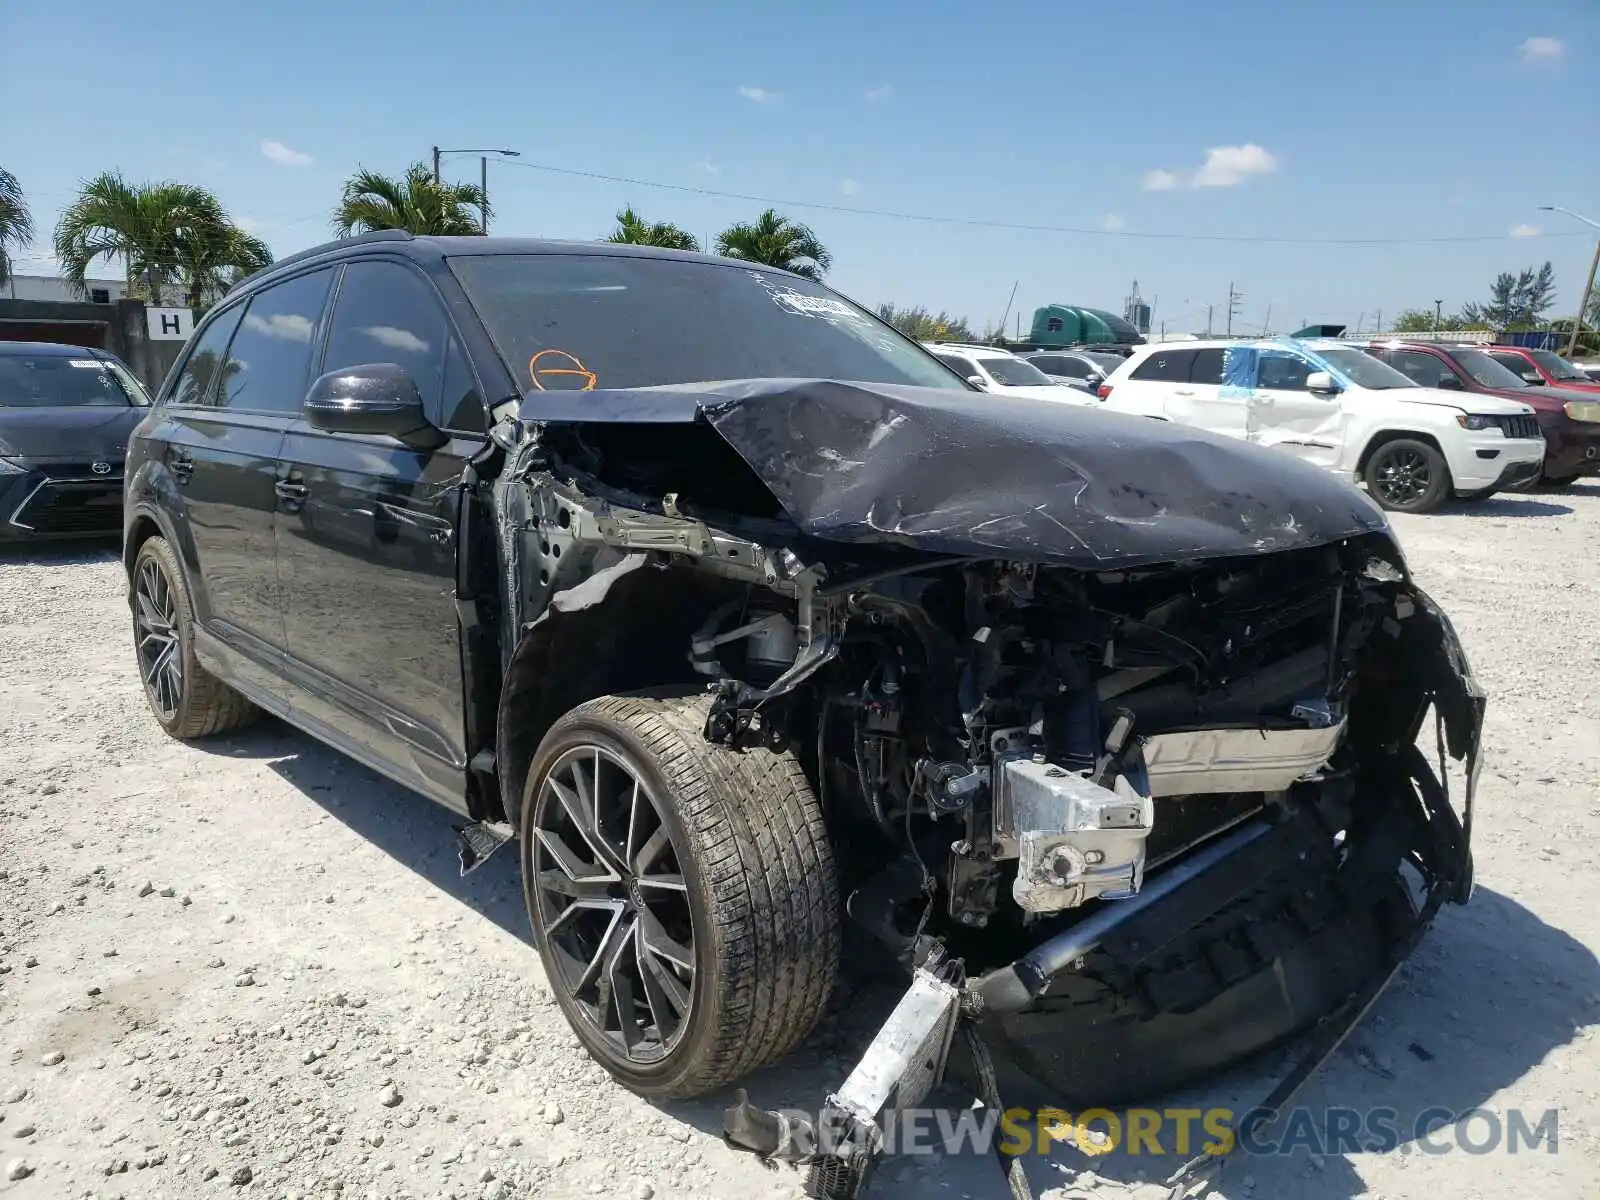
{"x": 774, "y": 202}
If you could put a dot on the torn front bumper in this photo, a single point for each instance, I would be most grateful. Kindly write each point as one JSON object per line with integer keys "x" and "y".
{"x": 1278, "y": 926}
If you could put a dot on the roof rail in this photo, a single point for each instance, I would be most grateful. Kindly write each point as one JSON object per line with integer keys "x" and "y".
{"x": 381, "y": 235}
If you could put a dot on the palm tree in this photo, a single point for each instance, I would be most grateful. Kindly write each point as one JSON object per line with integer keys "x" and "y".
{"x": 163, "y": 232}
{"x": 414, "y": 202}
{"x": 632, "y": 229}
{"x": 777, "y": 242}
{"x": 211, "y": 259}
{"x": 16, "y": 223}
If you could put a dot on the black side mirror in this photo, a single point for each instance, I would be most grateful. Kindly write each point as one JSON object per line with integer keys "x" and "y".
{"x": 1450, "y": 383}
{"x": 373, "y": 398}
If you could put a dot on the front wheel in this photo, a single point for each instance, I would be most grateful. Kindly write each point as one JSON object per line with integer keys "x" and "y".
{"x": 1407, "y": 475}
{"x": 683, "y": 895}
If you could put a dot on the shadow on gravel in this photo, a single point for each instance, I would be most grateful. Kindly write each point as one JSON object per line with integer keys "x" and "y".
{"x": 409, "y": 828}
{"x": 1492, "y": 992}
{"x": 1503, "y": 506}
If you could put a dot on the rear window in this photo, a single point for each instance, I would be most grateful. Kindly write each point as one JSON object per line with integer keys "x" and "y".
{"x": 1169, "y": 366}
{"x": 582, "y": 321}
{"x": 56, "y": 381}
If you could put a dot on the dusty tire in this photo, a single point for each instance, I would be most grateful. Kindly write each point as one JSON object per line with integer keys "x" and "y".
{"x": 1406, "y": 475}
{"x": 757, "y": 908}
{"x": 186, "y": 699}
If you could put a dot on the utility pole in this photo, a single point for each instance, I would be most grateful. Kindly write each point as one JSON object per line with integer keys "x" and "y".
{"x": 1438, "y": 315}
{"x": 483, "y": 185}
{"x": 1266, "y": 326}
{"x": 1588, "y": 287}
{"x": 1233, "y": 305}
{"x": 1378, "y": 327}
{"x": 436, "y": 166}
{"x": 1209, "y": 307}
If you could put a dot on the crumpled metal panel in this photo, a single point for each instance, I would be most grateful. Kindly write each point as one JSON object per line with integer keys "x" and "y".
{"x": 966, "y": 473}
{"x": 1208, "y": 761}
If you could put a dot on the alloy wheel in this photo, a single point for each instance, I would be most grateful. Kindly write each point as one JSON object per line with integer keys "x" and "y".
{"x": 613, "y": 906}
{"x": 1403, "y": 477}
{"x": 155, "y": 626}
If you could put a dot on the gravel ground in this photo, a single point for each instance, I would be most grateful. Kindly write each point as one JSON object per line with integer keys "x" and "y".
{"x": 250, "y": 966}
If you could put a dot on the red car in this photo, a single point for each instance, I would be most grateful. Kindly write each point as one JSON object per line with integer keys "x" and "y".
{"x": 1569, "y": 417}
{"x": 1542, "y": 368}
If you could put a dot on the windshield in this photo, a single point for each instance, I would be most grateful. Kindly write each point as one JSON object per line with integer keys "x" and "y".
{"x": 567, "y": 322}
{"x": 1361, "y": 369}
{"x": 55, "y": 381}
{"x": 1557, "y": 367}
{"x": 1485, "y": 370}
{"x": 1014, "y": 372}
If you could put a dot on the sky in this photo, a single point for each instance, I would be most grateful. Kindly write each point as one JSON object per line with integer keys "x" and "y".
{"x": 1188, "y": 147}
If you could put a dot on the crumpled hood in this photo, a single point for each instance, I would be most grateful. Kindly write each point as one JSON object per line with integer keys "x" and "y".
{"x": 79, "y": 433}
{"x": 973, "y": 473}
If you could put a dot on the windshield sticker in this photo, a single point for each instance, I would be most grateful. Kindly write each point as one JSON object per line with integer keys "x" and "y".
{"x": 92, "y": 364}
{"x": 548, "y": 363}
{"x": 799, "y": 304}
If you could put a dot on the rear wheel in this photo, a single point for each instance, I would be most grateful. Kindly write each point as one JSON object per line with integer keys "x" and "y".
{"x": 683, "y": 895}
{"x": 1407, "y": 475}
{"x": 187, "y": 700}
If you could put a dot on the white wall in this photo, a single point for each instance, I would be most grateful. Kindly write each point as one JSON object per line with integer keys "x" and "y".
{"x": 53, "y": 287}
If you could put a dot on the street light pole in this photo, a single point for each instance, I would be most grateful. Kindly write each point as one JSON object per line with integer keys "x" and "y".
{"x": 483, "y": 175}
{"x": 1438, "y": 314}
{"x": 1588, "y": 287}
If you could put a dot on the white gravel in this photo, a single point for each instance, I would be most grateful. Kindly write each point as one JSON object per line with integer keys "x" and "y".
{"x": 250, "y": 966}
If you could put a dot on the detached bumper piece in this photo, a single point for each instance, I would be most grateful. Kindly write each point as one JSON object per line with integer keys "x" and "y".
{"x": 905, "y": 1062}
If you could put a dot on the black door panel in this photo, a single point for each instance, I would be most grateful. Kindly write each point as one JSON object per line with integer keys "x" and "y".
{"x": 365, "y": 548}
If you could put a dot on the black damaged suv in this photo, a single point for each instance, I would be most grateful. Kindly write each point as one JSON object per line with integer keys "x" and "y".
{"x": 725, "y": 602}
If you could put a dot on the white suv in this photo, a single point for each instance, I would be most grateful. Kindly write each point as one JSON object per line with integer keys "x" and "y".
{"x": 1337, "y": 407}
{"x": 1003, "y": 373}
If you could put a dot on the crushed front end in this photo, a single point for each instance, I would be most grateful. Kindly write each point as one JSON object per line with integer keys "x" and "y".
{"x": 1135, "y": 799}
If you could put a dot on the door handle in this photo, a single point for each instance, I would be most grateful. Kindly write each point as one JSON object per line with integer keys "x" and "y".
{"x": 1182, "y": 392}
{"x": 290, "y": 491}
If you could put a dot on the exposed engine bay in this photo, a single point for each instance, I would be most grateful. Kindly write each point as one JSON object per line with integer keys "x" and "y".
{"x": 1059, "y": 780}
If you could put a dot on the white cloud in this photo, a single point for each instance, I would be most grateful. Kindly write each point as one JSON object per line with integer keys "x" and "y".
{"x": 1522, "y": 231}
{"x": 849, "y": 187}
{"x": 882, "y": 92}
{"x": 759, "y": 95}
{"x": 1225, "y": 166}
{"x": 1542, "y": 49}
{"x": 289, "y": 327}
{"x": 392, "y": 338}
{"x": 1111, "y": 223}
{"x": 283, "y": 155}
{"x": 250, "y": 224}
{"x": 710, "y": 168}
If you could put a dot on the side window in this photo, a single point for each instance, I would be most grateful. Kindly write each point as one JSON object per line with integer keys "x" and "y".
{"x": 387, "y": 313}
{"x": 463, "y": 403}
{"x": 1424, "y": 369}
{"x": 1207, "y": 366}
{"x": 1071, "y": 368}
{"x": 961, "y": 366}
{"x": 197, "y": 382}
{"x": 1050, "y": 364}
{"x": 1166, "y": 366}
{"x": 269, "y": 363}
{"x": 1282, "y": 372}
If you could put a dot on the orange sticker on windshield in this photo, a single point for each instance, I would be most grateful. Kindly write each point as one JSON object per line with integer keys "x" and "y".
{"x": 563, "y": 364}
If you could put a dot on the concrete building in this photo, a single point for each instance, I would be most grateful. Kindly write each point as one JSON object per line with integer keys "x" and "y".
{"x": 53, "y": 287}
